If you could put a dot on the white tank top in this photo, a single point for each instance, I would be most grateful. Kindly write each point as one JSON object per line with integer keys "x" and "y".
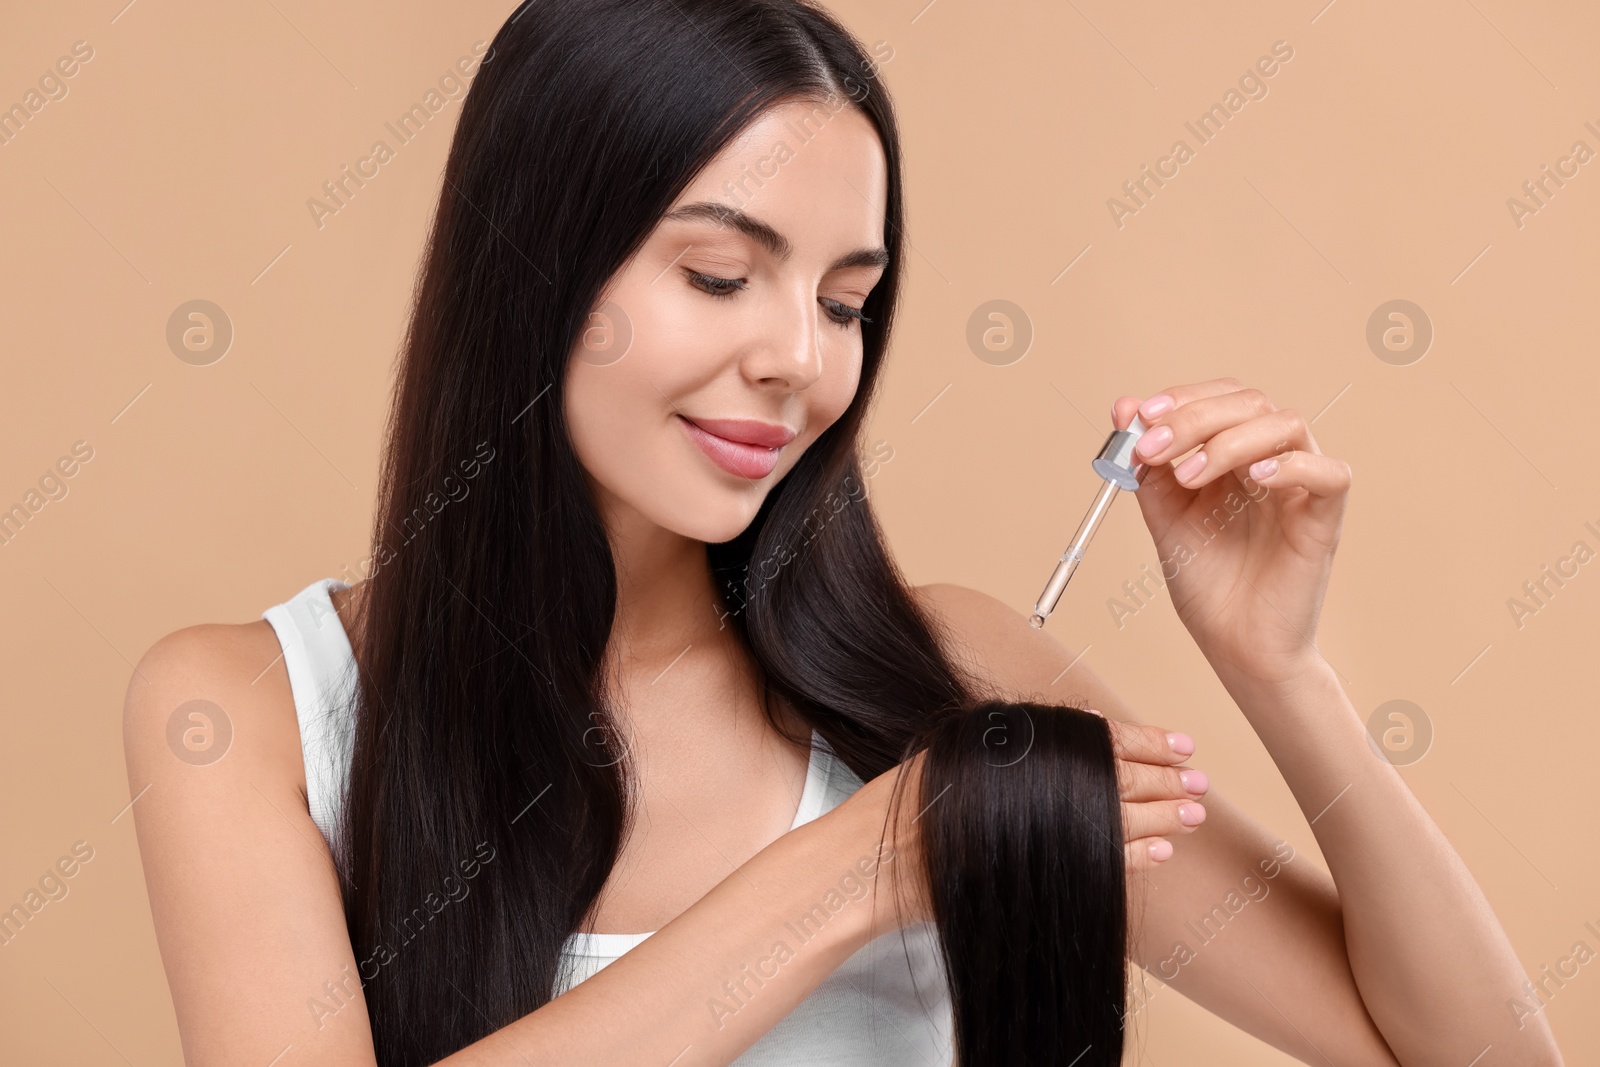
{"x": 877, "y": 1008}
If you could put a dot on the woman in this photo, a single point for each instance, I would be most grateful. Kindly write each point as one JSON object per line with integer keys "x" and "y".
{"x": 626, "y": 566}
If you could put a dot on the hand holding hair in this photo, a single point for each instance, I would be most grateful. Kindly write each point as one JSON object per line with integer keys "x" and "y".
{"x": 1005, "y": 829}
{"x": 1159, "y": 796}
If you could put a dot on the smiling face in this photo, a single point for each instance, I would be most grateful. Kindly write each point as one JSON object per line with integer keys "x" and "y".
{"x": 736, "y": 321}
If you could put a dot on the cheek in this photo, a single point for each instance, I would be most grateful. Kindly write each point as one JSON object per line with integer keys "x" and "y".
{"x": 624, "y": 435}
{"x": 619, "y": 377}
{"x": 832, "y": 395}
{"x": 608, "y": 410}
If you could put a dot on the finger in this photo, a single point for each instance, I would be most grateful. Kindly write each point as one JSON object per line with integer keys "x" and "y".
{"x": 1213, "y": 422}
{"x": 1162, "y": 818}
{"x": 1150, "y": 408}
{"x": 1139, "y": 743}
{"x": 1140, "y": 782}
{"x": 1277, "y": 436}
{"x": 1323, "y": 476}
{"x": 1145, "y": 853}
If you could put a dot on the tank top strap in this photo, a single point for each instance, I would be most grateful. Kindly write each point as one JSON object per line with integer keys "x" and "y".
{"x": 322, "y": 675}
{"x": 835, "y": 781}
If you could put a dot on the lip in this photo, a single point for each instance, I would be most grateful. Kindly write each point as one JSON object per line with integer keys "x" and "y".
{"x": 743, "y": 447}
{"x": 747, "y": 431}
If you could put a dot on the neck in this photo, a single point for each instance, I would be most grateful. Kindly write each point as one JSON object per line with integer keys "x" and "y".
{"x": 668, "y": 605}
{"x": 666, "y": 600}
{"x": 666, "y": 597}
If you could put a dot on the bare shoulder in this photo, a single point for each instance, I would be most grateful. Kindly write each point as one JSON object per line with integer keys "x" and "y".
{"x": 239, "y": 669}
{"x": 243, "y": 892}
{"x": 994, "y": 641}
{"x": 197, "y": 689}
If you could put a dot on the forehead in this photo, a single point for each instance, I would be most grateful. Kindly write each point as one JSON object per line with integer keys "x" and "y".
{"x": 815, "y": 173}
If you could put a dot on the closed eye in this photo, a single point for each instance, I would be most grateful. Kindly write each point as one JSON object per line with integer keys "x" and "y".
{"x": 715, "y": 286}
{"x": 840, "y": 313}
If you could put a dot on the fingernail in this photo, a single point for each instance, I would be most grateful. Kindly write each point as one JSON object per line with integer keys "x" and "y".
{"x": 1092, "y": 711}
{"x": 1263, "y": 468}
{"x": 1161, "y": 850}
{"x": 1189, "y": 467}
{"x": 1195, "y": 781}
{"x": 1182, "y": 744}
{"x": 1154, "y": 441}
{"x": 1191, "y": 814}
{"x": 1156, "y": 406}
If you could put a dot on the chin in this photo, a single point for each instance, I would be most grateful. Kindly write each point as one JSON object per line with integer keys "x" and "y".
{"x": 716, "y": 516}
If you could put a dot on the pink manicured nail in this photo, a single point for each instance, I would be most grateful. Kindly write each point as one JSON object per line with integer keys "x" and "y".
{"x": 1154, "y": 441}
{"x": 1156, "y": 406}
{"x": 1182, "y": 744}
{"x": 1190, "y": 467}
{"x": 1195, "y": 781}
{"x": 1161, "y": 850}
{"x": 1191, "y": 814}
{"x": 1262, "y": 468}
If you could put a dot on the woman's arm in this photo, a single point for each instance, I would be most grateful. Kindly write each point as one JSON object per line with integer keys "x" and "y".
{"x": 1247, "y": 512}
{"x": 1394, "y": 959}
{"x": 1434, "y": 967}
{"x": 655, "y": 1004}
{"x": 251, "y": 929}
{"x": 1236, "y": 921}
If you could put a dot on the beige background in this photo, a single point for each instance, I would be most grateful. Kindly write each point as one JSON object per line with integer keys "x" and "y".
{"x": 1378, "y": 167}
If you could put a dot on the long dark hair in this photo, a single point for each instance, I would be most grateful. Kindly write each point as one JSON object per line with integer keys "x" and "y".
{"x": 1021, "y": 841}
{"x": 483, "y": 740}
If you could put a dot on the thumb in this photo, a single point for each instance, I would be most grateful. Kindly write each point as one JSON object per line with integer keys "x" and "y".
{"x": 1161, "y": 498}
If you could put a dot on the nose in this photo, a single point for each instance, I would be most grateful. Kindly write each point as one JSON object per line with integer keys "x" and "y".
{"x": 789, "y": 348}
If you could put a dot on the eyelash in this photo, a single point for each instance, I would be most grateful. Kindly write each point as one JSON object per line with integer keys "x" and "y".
{"x": 725, "y": 287}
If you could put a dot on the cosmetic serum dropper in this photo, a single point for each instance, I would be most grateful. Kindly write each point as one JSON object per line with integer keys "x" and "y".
{"x": 1116, "y": 465}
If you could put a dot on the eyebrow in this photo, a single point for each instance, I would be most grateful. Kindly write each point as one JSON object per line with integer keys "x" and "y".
{"x": 765, "y": 235}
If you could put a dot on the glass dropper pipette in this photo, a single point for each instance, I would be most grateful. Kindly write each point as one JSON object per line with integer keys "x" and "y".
{"x": 1116, "y": 465}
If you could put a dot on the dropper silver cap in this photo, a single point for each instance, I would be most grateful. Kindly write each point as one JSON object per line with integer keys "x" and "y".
{"x": 1115, "y": 463}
